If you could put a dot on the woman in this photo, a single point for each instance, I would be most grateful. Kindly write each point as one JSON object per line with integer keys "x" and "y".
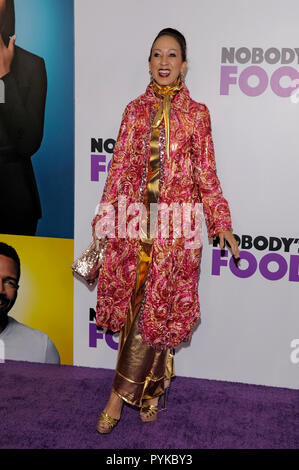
{"x": 148, "y": 286}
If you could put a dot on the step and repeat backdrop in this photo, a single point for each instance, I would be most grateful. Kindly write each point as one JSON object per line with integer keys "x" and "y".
{"x": 77, "y": 65}
{"x": 244, "y": 65}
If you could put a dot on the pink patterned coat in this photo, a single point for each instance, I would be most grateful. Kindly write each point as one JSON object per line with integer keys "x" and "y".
{"x": 170, "y": 305}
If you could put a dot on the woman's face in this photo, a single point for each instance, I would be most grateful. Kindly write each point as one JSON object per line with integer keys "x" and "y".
{"x": 166, "y": 60}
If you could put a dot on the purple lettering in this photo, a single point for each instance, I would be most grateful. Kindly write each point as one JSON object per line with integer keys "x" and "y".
{"x": 294, "y": 268}
{"x": 275, "y": 81}
{"x": 217, "y": 261}
{"x": 109, "y": 337}
{"x": 260, "y": 87}
{"x": 282, "y": 266}
{"x": 244, "y": 273}
{"x": 226, "y": 79}
{"x": 94, "y": 335}
{"x": 96, "y": 167}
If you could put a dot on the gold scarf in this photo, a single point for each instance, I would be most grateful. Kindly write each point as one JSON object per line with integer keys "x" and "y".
{"x": 167, "y": 93}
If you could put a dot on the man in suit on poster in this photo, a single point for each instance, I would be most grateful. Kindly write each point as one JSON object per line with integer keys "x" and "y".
{"x": 21, "y": 128}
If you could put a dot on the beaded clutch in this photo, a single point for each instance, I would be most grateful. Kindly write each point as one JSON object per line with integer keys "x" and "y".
{"x": 89, "y": 263}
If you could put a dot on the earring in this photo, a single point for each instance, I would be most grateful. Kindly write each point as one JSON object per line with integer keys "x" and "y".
{"x": 151, "y": 75}
{"x": 182, "y": 77}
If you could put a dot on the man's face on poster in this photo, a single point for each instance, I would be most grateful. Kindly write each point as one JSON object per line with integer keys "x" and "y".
{"x": 8, "y": 284}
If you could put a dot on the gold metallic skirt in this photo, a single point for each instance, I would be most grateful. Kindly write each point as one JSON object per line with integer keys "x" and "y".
{"x": 141, "y": 372}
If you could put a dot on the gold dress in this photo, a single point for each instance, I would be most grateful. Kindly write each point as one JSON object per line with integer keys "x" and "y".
{"x": 141, "y": 371}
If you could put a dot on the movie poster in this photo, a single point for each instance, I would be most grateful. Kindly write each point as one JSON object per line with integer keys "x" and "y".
{"x": 36, "y": 180}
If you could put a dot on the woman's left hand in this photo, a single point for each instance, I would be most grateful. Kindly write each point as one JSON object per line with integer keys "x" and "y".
{"x": 228, "y": 235}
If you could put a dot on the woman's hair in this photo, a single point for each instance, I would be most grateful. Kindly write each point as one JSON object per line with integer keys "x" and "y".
{"x": 176, "y": 35}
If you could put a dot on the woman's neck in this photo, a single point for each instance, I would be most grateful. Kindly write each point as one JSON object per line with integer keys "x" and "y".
{"x": 163, "y": 90}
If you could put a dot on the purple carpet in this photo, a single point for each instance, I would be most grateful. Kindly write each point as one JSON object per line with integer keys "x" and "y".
{"x": 56, "y": 407}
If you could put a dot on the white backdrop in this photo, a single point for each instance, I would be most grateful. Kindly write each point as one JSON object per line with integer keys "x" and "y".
{"x": 249, "y": 320}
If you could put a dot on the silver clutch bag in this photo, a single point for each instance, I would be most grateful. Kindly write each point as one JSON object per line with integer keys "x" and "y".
{"x": 89, "y": 263}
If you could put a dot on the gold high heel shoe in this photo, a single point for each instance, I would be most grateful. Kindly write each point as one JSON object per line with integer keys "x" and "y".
{"x": 108, "y": 421}
{"x": 149, "y": 413}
